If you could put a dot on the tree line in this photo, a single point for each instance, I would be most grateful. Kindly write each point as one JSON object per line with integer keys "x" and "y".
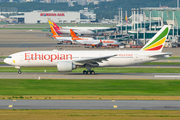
{"x": 105, "y": 10}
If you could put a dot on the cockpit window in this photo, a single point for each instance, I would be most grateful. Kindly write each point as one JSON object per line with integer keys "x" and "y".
{"x": 9, "y": 57}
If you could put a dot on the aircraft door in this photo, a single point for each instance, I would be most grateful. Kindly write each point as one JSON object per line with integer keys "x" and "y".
{"x": 21, "y": 58}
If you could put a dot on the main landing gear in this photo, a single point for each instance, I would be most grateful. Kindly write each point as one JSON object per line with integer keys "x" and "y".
{"x": 88, "y": 71}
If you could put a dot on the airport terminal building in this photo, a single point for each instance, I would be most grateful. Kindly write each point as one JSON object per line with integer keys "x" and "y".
{"x": 40, "y": 16}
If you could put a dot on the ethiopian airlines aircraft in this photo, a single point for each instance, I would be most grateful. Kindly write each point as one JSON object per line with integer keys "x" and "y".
{"x": 66, "y": 61}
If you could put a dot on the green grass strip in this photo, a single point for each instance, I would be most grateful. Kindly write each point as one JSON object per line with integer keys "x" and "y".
{"x": 97, "y": 70}
{"x": 22, "y": 28}
{"x": 90, "y": 87}
{"x": 161, "y": 63}
{"x": 2, "y": 57}
{"x": 173, "y": 58}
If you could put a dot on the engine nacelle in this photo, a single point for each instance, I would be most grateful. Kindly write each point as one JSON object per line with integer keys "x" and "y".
{"x": 65, "y": 66}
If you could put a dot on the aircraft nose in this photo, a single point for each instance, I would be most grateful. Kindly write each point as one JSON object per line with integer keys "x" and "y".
{"x": 5, "y": 60}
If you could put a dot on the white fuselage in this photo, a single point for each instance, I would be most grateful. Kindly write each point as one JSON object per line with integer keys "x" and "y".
{"x": 86, "y": 28}
{"x": 110, "y": 43}
{"x": 88, "y": 41}
{"x": 50, "y": 58}
{"x": 63, "y": 38}
{"x": 84, "y": 41}
{"x": 81, "y": 30}
{"x": 78, "y": 31}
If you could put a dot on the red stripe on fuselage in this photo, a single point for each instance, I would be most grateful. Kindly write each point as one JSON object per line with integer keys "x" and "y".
{"x": 155, "y": 48}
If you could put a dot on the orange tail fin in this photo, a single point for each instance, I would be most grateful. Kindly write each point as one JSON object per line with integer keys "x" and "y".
{"x": 54, "y": 32}
{"x": 73, "y": 34}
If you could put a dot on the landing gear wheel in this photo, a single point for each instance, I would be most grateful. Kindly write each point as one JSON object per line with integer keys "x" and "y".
{"x": 92, "y": 72}
{"x": 84, "y": 72}
{"x": 19, "y": 72}
{"x": 88, "y": 72}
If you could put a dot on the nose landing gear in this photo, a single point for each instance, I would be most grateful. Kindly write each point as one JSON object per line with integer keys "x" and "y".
{"x": 17, "y": 67}
{"x": 19, "y": 72}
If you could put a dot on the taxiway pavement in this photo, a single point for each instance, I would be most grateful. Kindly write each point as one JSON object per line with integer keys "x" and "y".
{"x": 91, "y": 104}
{"x": 41, "y": 76}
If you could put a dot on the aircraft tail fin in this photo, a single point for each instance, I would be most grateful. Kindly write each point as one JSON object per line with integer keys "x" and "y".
{"x": 54, "y": 32}
{"x": 53, "y": 24}
{"x": 156, "y": 43}
{"x": 73, "y": 34}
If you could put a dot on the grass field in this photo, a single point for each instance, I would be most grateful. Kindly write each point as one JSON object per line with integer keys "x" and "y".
{"x": 21, "y": 28}
{"x": 89, "y": 115}
{"x": 90, "y": 87}
{"x": 97, "y": 70}
{"x": 161, "y": 63}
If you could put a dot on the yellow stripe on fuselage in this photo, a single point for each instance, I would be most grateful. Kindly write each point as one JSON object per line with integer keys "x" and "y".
{"x": 157, "y": 43}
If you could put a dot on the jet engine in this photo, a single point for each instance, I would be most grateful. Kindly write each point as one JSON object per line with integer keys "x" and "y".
{"x": 65, "y": 66}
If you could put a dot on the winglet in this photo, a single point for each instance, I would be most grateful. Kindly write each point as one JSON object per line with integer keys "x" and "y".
{"x": 157, "y": 42}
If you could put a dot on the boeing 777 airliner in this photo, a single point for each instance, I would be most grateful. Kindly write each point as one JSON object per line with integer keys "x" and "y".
{"x": 66, "y": 61}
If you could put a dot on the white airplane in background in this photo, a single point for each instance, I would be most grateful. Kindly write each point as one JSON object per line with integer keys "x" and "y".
{"x": 87, "y": 41}
{"x": 66, "y": 61}
{"x": 58, "y": 37}
{"x": 78, "y": 30}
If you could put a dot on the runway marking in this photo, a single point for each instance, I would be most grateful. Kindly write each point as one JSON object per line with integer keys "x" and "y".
{"x": 10, "y": 106}
{"x": 166, "y": 76}
{"x": 115, "y": 106}
{"x": 113, "y": 100}
{"x": 14, "y": 100}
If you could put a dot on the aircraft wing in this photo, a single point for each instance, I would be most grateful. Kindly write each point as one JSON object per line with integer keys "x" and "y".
{"x": 160, "y": 54}
{"x": 92, "y": 61}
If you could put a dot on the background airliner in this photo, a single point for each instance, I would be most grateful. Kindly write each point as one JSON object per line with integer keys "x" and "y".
{"x": 78, "y": 30}
{"x": 66, "y": 61}
{"x": 74, "y": 38}
{"x": 58, "y": 37}
{"x": 87, "y": 41}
